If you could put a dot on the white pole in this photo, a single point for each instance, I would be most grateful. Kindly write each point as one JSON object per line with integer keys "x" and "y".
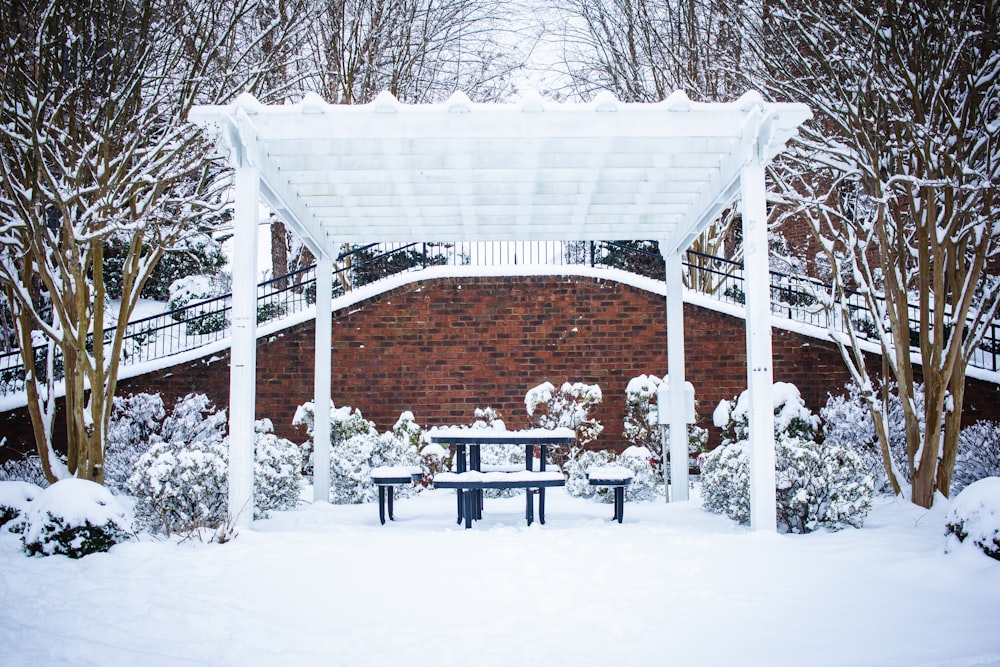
{"x": 243, "y": 354}
{"x": 321, "y": 397}
{"x": 756, "y": 279}
{"x": 675, "y": 373}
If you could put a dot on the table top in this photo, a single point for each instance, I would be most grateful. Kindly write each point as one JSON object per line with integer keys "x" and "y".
{"x": 483, "y": 436}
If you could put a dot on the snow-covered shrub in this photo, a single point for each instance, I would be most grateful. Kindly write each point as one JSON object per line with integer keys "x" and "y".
{"x": 352, "y": 461}
{"x": 791, "y": 417}
{"x": 847, "y": 422}
{"x": 640, "y": 425}
{"x": 74, "y": 517}
{"x": 203, "y": 319}
{"x": 345, "y": 423}
{"x": 194, "y": 417}
{"x": 277, "y": 471}
{"x": 196, "y": 253}
{"x": 134, "y": 423}
{"x": 647, "y": 479}
{"x": 576, "y": 471}
{"x": 15, "y": 498}
{"x": 28, "y": 469}
{"x": 180, "y": 486}
{"x": 975, "y": 516}
{"x": 569, "y": 407}
{"x": 978, "y": 455}
{"x": 816, "y": 486}
{"x": 433, "y": 459}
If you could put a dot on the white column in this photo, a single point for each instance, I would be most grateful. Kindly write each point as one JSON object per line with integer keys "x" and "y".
{"x": 756, "y": 279}
{"x": 243, "y": 354}
{"x": 675, "y": 376}
{"x": 321, "y": 397}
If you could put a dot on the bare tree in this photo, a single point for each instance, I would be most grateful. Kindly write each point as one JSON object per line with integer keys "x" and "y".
{"x": 93, "y": 143}
{"x": 898, "y": 178}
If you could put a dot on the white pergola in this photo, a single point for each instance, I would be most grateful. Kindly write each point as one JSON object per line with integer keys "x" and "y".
{"x": 533, "y": 170}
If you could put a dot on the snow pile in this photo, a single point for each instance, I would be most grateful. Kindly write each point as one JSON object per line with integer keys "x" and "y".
{"x": 975, "y": 516}
{"x": 74, "y": 517}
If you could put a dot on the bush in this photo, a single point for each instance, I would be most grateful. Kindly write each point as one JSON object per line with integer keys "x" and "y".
{"x": 28, "y": 469}
{"x": 645, "y": 485}
{"x": 277, "y": 471}
{"x": 15, "y": 498}
{"x": 576, "y": 470}
{"x": 180, "y": 487}
{"x": 570, "y": 408}
{"x": 816, "y": 486}
{"x": 203, "y": 319}
{"x": 74, "y": 517}
{"x": 352, "y": 461}
{"x": 978, "y": 455}
{"x": 975, "y": 516}
{"x": 134, "y": 423}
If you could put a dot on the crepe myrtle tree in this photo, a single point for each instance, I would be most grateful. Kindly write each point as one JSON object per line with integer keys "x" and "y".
{"x": 897, "y": 177}
{"x": 93, "y": 146}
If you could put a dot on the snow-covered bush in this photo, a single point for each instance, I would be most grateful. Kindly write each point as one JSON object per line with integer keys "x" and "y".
{"x": 345, "y": 423}
{"x": 975, "y": 516}
{"x": 74, "y": 517}
{"x": 202, "y": 319}
{"x": 180, "y": 487}
{"x": 277, "y": 471}
{"x": 135, "y": 421}
{"x": 647, "y": 479}
{"x": 978, "y": 455}
{"x": 569, "y": 407}
{"x": 791, "y": 417}
{"x": 641, "y": 427}
{"x": 352, "y": 461}
{"x": 194, "y": 417}
{"x": 847, "y": 422}
{"x": 15, "y": 498}
{"x": 28, "y": 469}
{"x": 576, "y": 473}
{"x": 816, "y": 486}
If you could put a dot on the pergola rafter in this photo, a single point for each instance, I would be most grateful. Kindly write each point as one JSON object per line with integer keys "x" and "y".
{"x": 532, "y": 170}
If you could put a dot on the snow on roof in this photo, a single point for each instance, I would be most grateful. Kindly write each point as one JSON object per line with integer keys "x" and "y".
{"x": 535, "y": 169}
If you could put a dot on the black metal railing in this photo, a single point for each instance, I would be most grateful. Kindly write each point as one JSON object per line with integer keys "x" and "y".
{"x": 197, "y": 324}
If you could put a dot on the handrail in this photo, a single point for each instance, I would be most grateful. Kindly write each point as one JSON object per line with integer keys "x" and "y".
{"x": 197, "y": 324}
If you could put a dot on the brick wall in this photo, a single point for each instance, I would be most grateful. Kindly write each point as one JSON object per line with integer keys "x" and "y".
{"x": 442, "y": 348}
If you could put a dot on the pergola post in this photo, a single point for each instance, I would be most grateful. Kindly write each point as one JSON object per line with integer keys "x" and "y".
{"x": 243, "y": 354}
{"x": 757, "y": 286}
{"x": 675, "y": 376}
{"x": 321, "y": 396}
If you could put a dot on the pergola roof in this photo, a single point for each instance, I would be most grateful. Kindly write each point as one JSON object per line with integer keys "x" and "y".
{"x": 532, "y": 170}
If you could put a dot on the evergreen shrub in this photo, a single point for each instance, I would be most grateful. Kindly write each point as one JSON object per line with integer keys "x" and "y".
{"x": 74, "y": 517}
{"x": 975, "y": 517}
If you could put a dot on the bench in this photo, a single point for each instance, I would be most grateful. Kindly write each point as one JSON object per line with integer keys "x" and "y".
{"x": 387, "y": 478}
{"x": 616, "y": 478}
{"x": 470, "y": 485}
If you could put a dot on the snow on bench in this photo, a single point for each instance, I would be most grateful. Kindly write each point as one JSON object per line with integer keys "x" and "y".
{"x": 387, "y": 477}
{"x": 616, "y": 478}
{"x": 470, "y": 484}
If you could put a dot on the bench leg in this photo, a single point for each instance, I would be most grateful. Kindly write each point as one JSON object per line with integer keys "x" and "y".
{"x": 459, "y": 494}
{"x": 470, "y": 499}
{"x": 619, "y": 503}
{"x": 381, "y": 504}
{"x": 391, "y": 493}
{"x": 529, "y": 506}
{"x": 541, "y": 505}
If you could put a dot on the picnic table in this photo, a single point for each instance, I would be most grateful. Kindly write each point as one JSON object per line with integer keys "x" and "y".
{"x": 470, "y": 479}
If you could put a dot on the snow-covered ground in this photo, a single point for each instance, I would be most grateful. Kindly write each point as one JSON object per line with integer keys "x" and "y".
{"x": 327, "y": 585}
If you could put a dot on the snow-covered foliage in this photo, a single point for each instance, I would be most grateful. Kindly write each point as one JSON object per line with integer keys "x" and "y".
{"x": 352, "y": 460}
{"x": 193, "y": 254}
{"x": 847, "y": 421}
{"x": 576, "y": 473}
{"x": 277, "y": 471}
{"x": 646, "y": 484}
{"x": 28, "y": 469}
{"x": 568, "y": 407}
{"x": 791, "y": 417}
{"x": 647, "y": 479}
{"x": 15, "y": 498}
{"x": 192, "y": 290}
{"x": 816, "y": 485}
{"x": 978, "y": 455}
{"x": 74, "y": 517}
{"x": 181, "y": 486}
{"x": 640, "y": 424}
{"x": 975, "y": 516}
{"x": 345, "y": 423}
{"x": 135, "y": 421}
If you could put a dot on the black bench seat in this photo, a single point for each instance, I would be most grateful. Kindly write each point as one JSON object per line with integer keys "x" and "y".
{"x": 470, "y": 483}
{"x": 387, "y": 477}
{"x": 615, "y": 478}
